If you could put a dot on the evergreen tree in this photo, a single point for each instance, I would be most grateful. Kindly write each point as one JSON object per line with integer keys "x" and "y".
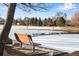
{"x": 40, "y": 23}
{"x": 60, "y": 21}
{"x": 45, "y": 22}
{"x": 49, "y": 22}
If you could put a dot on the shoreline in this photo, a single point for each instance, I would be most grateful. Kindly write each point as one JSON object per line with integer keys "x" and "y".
{"x": 50, "y": 28}
{"x": 48, "y": 52}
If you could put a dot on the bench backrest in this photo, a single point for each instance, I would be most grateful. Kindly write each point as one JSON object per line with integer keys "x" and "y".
{"x": 23, "y": 38}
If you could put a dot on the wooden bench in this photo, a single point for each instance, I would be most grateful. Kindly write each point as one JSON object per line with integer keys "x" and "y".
{"x": 25, "y": 39}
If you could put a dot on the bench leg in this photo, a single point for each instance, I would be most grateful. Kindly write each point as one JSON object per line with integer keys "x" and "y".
{"x": 33, "y": 49}
{"x": 21, "y": 45}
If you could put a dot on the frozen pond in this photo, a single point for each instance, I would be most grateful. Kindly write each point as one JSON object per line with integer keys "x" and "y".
{"x": 65, "y": 42}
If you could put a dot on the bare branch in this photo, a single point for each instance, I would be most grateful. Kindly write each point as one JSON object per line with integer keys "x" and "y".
{"x": 5, "y": 4}
{"x": 28, "y": 7}
{"x": 36, "y": 6}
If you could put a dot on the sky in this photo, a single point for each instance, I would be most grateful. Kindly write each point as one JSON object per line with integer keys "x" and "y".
{"x": 69, "y": 8}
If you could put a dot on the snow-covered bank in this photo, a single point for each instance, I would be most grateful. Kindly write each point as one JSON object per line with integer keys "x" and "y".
{"x": 34, "y": 27}
{"x": 42, "y": 27}
{"x": 56, "y": 28}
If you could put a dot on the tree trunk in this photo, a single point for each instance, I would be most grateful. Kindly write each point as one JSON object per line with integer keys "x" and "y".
{"x": 7, "y": 27}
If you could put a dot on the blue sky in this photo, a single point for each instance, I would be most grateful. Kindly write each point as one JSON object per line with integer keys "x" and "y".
{"x": 68, "y": 8}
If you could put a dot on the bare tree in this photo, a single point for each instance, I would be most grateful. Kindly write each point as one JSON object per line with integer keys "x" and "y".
{"x": 61, "y": 14}
{"x": 10, "y": 15}
{"x": 75, "y": 20}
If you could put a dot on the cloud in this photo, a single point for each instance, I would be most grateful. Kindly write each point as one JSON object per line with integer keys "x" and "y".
{"x": 67, "y": 6}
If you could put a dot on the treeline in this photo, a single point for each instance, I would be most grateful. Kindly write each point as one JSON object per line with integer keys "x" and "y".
{"x": 59, "y": 21}
{"x": 36, "y": 21}
{"x": 33, "y": 21}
